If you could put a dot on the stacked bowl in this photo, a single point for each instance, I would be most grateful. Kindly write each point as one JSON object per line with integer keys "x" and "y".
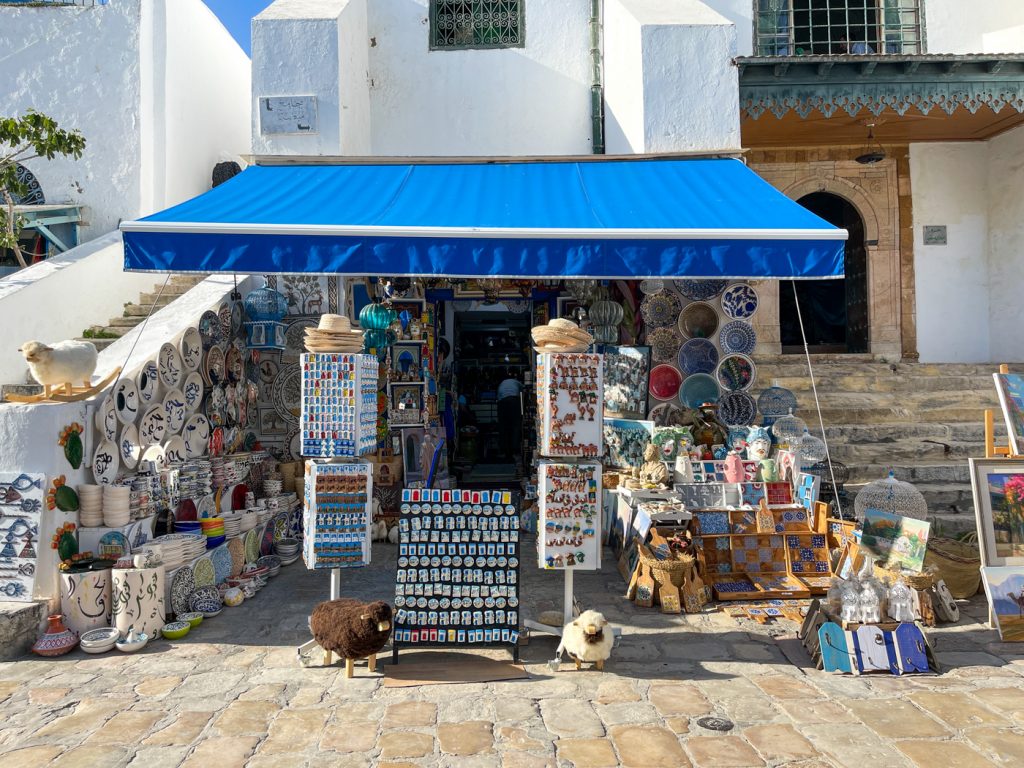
{"x": 287, "y": 550}
{"x": 232, "y": 524}
{"x": 116, "y": 506}
{"x": 213, "y": 529}
{"x": 99, "y": 640}
{"x": 90, "y": 506}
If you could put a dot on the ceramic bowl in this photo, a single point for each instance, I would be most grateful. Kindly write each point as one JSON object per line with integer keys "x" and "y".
{"x": 234, "y": 597}
{"x": 205, "y": 600}
{"x": 98, "y": 640}
{"x": 194, "y": 618}
{"x": 125, "y": 647}
{"x": 249, "y": 590}
{"x": 175, "y": 630}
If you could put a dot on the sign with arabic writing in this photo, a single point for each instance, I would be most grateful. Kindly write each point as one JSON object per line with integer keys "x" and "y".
{"x": 288, "y": 115}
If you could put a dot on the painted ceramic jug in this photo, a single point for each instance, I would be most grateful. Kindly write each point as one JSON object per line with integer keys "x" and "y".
{"x": 57, "y": 640}
{"x": 769, "y": 472}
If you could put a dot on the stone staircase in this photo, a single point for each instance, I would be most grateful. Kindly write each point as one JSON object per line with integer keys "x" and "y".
{"x": 922, "y": 420}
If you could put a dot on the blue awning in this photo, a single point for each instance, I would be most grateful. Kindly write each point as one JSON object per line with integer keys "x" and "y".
{"x": 614, "y": 218}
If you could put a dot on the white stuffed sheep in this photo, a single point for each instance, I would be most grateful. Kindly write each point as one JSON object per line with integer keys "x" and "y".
{"x": 67, "y": 362}
{"x": 588, "y": 638}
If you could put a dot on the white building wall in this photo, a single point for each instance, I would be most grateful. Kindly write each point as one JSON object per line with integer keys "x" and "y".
{"x": 1006, "y": 246}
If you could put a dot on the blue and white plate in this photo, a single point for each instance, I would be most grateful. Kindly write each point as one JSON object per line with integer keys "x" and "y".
{"x": 221, "y": 563}
{"x": 739, "y": 301}
{"x": 698, "y": 389}
{"x": 699, "y": 290}
{"x": 776, "y": 401}
{"x": 698, "y": 356}
{"x": 737, "y": 337}
{"x": 737, "y": 409}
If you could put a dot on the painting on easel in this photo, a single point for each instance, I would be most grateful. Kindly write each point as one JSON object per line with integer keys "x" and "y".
{"x": 1010, "y": 387}
{"x": 998, "y": 486}
{"x": 1005, "y": 590}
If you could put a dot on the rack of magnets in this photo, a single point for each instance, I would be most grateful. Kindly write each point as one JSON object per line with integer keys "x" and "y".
{"x": 457, "y": 580}
{"x": 337, "y": 514}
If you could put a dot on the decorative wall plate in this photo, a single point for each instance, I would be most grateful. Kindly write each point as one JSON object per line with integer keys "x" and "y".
{"x": 736, "y": 372}
{"x": 699, "y": 290}
{"x": 648, "y": 287}
{"x": 192, "y": 391}
{"x": 776, "y": 401}
{"x": 224, "y": 316}
{"x": 221, "y": 559}
{"x": 737, "y": 337}
{"x": 197, "y": 436}
{"x": 236, "y": 549}
{"x": 148, "y": 382}
{"x": 155, "y": 453}
{"x": 233, "y": 365}
{"x": 191, "y": 348}
{"x": 203, "y": 572}
{"x": 213, "y": 367}
{"x": 126, "y": 401}
{"x": 737, "y": 409}
{"x": 668, "y": 415}
{"x": 664, "y": 382}
{"x": 176, "y": 411}
{"x": 739, "y": 301}
{"x": 129, "y": 447}
{"x": 697, "y": 389}
{"x": 106, "y": 418}
{"x": 698, "y": 320}
{"x": 252, "y": 543}
{"x": 169, "y": 365}
{"x": 660, "y": 309}
{"x": 175, "y": 450}
{"x": 153, "y": 426}
{"x": 209, "y": 329}
{"x": 698, "y": 356}
{"x": 105, "y": 462}
{"x": 113, "y": 545}
{"x": 182, "y": 586}
{"x": 236, "y": 318}
{"x": 664, "y": 343}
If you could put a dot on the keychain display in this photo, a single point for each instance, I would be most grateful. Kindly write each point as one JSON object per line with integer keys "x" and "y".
{"x": 339, "y": 404}
{"x": 570, "y": 400}
{"x": 457, "y": 580}
{"x": 569, "y": 527}
{"x": 337, "y": 515}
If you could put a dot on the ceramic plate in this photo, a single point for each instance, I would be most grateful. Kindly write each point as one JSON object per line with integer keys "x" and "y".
{"x": 213, "y": 366}
{"x": 175, "y": 410}
{"x": 113, "y": 545}
{"x": 266, "y": 543}
{"x": 736, "y": 372}
{"x": 664, "y": 343}
{"x": 129, "y": 447}
{"x": 169, "y": 365}
{"x": 668, "y": 415}
{"x": 192, "y": 391}
{"x": 221, "y": 559}
{"x": 148, "y": 382}
{"x": 224, "y": 317}
{"x": 699, "y": 290}
{"x": 698, "y": 321}
{"x": 105, "y": 462}
{"x": 191, "y": 348}
{"x": 698, "y": 356}
{"x": 197, "y": 436}
{"x": 660, "y": 309}
{"x": 209, "y": 329}
{"x": 698, "y": 389}
{"x": 664, "y": 382}
{"x": 182, "y": 586}
{"x": 233, "y": 365}
{"x": 153, "y": 426}
{"x": 155, "y": 453}
{"x": 206, "y": 507}
{"x": 236, "y": 549}
{"x": 737, "y": 409}
{"x": 106, "y": 418}
{"x": 737, "y": 337}
{"x": 252, "y": 543}
{"x": 203, "y": 572}
{"x": 647, "y": 287}
{"x": 739, "y": 301}
{"x": 236, "y": 318}
{"x": 175, "y": 451}
{"x": 126, "y": 401}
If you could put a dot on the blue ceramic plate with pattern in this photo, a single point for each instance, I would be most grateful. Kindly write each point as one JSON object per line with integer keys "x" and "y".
{"x": 736, "y": 372}
{"x": 737, "y": 409}
{"x": 660, "y": 309}
{"x": 698, "y": 356}
{"x": 699, "y": 290}
{"x": 739, "y": 301}
{"x": 698, "y": 389}
{"x": 182, "y": 587}
{"x": 221, "y": 563}
{"x": 737, "y": 337}
{"x": 776, "y": 401}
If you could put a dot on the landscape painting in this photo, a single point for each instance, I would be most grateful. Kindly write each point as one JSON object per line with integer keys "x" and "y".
{"x": 1010, "y": 387}
{"x": 998, "y": 486}
{"x": 1005, "y": 589}
{"x": 895, "y": 540}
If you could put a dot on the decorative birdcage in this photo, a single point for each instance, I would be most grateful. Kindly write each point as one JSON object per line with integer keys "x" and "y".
{"x": 776, "y": 401}
{"x": 812, "y": 449}
{"x": 265, "y": 309}
{"x": 789, "y": 429}
{"x": 896, "y": 497}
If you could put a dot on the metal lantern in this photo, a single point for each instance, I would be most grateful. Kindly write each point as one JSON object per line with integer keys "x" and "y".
{"x": 376, "y": 317}
{"x": 606, "y": 313}
{"x": 812, "y": 449}
{"x": 789, "y": 429}
{"x": 893, "y": 496}
{"x": 265, "y": 309}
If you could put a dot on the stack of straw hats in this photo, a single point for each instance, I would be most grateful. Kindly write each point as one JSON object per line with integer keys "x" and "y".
{"x": 334, "y": 334}
{"x": 561, "y": 335}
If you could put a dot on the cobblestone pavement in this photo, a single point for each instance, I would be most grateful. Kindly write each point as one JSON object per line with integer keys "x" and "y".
{"x": 232, "y": 694}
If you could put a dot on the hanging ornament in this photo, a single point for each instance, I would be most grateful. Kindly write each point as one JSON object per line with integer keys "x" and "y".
{"x": 265, "y": 309}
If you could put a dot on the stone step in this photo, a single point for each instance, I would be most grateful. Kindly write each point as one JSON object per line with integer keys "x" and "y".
{"x": 903, "y": 450}
{"x": 801, "y": 385}
{"x": 109, "y": 330}
{"x": 963, "y": 432}
{"x": 139, "y": 310}
{"x": 769, "y": 366}
{"x": 913, "y": 472}
{"x": 129, "y": 322}
{"x": 19, "y": 389}
{"x": 100, "y": 344}
{"x": 942, "y": 414}
{"x": 161, "y": 300}
{"x": 189, "y": 280}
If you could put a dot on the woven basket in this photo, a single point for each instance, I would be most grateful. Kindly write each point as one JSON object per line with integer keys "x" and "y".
{"x": 668, "y": 571}
{"x": 956, "y": 563}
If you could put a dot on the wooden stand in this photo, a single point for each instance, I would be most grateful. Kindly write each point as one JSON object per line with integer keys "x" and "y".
{"x": 68, "y": 392}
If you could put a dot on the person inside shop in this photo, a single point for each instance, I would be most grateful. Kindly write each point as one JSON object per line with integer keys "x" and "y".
{"x": 510, "y": 414}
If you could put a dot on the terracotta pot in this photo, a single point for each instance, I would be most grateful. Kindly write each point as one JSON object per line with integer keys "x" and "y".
{"x": 57, "y": 640}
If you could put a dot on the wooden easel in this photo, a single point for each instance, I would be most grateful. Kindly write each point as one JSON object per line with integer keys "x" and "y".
{"x": 992, "y": 450}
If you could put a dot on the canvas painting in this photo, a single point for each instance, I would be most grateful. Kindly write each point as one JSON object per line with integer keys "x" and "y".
{"x": 1004, "y": 586}
{"x": 998, "y": 486}
{"x": 1010, "y": 387}
{"x": 625, "y": 381}
{"x": 895, "y": 540}
{"x": 625, "y": 441}
{"x": 21, "y": 505}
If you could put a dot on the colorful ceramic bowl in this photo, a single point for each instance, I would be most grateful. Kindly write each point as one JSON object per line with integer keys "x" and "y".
{"x": 98, "y": 640}
{"x": 194, "y": 618}
{"x": 125, "y": 647}
{"x": 175, "y": 630}
{"x": 234, "y": 597}
{"x": 206, "y": 600}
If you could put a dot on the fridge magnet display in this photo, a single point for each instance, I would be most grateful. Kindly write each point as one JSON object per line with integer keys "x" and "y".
{"x": 569, "y": 399}
{"x": 998, "y": 486}
{"x": 625, "y": 381}
{"x": 337, "y": 515}
{"x": 569, "y": 525}
{"x": 338, "y": 404}
{"x": 625, "y": 441}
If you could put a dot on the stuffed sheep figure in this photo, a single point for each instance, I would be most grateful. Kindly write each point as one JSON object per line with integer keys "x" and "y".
{"x": 351, "y": 629}
{"x": 66, "y": 362}
{"x": 588, "y": 638}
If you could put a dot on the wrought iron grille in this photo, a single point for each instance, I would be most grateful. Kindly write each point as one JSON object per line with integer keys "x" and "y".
{"x": 833, "y": 27}
{"x": 476, "y": 24}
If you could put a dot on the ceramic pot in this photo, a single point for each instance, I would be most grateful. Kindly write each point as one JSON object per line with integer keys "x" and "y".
{"x": 769, "y": 472}
{"x": 57, "y": 640}
{"x": 233, "y": 597}
{"x": 734, "y": 468}
{"x": 138, "y": 600}
{"x": 85, "y": 600}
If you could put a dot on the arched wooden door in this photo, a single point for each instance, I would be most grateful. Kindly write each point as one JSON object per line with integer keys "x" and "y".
{"x": 835, "y": 312}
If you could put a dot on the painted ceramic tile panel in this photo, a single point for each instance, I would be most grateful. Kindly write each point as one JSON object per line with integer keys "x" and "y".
{"x": 21, "y": 505}
{"x": 895, "y": 540}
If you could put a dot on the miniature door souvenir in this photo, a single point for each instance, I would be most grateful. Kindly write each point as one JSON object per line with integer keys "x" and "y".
{"x": 870, "y": 650}
{"x": 911, "y": 649}
{"x": 835, "y": 645}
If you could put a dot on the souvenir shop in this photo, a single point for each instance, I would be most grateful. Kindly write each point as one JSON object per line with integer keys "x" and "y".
{"x": 616, "y": 296}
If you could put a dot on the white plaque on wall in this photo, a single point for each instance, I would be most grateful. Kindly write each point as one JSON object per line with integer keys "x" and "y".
{"x": 287, "y": 114}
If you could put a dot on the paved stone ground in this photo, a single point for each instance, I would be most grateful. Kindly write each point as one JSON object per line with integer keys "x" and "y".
{"x": 232, "y": 694}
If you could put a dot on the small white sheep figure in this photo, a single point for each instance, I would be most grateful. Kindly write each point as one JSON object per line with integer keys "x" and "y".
{"x": 393, "y": 535}
{"x": 588, "y": 638}
{"x": 62, "y": 364}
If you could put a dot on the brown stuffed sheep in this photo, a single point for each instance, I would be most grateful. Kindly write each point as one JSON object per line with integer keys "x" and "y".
{"x": 351, "y": 629}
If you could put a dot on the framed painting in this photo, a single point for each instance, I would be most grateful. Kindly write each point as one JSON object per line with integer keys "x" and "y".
{"x": 998, "y": 486}
{"x": 565, "y": 306}
{"x": 406, "y": 361}
{"x": 358, "y": 294}
{"x": 415, "y": 307}
{"x": 1010, "y": 388}
{"x": 626, "y": 370}
{"x": 895, "y": 540}
{"x": 406, "y": 407}
{"x": 1004, "y": 587}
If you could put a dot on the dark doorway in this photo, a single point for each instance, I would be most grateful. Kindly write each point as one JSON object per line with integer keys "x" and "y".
{"x": 835, "y": 312}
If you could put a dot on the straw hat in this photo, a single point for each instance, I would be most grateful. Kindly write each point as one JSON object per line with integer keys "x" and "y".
{"x": 561, "y": 335}
{"x": 334, "y": 334}
{"x": 334, "y": 324}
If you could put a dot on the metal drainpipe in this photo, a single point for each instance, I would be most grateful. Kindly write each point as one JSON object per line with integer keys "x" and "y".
{"x": 597, "y": 79}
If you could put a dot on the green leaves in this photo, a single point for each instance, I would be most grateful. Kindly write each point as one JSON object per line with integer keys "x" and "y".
{"x": 73, "y": 450}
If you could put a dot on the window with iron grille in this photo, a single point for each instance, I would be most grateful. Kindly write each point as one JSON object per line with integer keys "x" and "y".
{"x": 476, "y": 24}
{"x": 831, "y": 27}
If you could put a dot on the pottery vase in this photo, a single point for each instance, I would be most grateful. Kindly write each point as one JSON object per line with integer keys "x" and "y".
{"x": 138, "y": 600}
{"x": 769, "y": 472}
{"x": 85, "y": 600}
{"x": 734, "y": 468}
{"x": 57, "y": 640}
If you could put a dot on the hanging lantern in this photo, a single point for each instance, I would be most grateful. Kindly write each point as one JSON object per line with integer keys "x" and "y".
{"x": 789, "y": 429}
{"x": 893, "y": 496}
{"x": 376, "y": 317}
{"x": 265, "y": 309}
{"x": 606, "y": 312}
{"x": 812, "y": 449}
{"x": 605, "y": 334}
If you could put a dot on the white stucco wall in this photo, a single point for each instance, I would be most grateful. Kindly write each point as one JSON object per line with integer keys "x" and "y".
{"x": 1006, "y": 245}
{"x": 740, "y": 13}
{"x": 981, "y": 26}
{"x": 685, "y": 80}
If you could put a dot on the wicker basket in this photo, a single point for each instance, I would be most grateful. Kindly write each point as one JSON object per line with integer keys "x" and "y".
{"x": 956, "y": 563}
{"x": 668, "y": 571}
